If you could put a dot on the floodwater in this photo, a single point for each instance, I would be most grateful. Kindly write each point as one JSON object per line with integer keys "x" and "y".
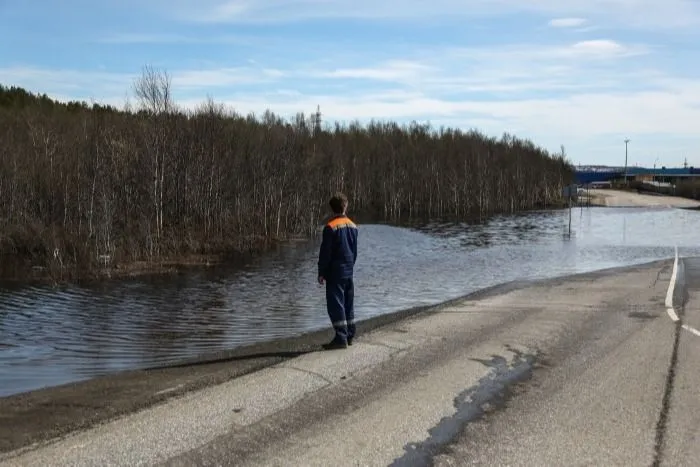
{"x": 50, "y": 336}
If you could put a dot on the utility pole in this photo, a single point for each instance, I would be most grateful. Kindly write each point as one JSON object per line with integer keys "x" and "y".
{"x": 626, "y": 142}
{"x": 653, "y": 175}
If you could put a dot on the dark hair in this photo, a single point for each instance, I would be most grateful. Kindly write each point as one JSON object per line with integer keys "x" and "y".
{"x": 338, "y": 203}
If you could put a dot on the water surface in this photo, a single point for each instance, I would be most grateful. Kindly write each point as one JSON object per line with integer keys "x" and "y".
{"x": 50, "y": 336}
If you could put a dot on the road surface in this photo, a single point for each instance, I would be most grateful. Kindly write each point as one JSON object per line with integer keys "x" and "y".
{"x": 619, "y": 198}
{"x": 586, "y": 370}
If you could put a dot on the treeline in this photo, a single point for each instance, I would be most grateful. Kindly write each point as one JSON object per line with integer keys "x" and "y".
{"x": 17, "y": 98}
{"x": 86, "y": 186}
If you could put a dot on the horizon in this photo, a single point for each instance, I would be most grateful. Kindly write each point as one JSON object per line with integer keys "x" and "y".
{"x": 586, "y": 75}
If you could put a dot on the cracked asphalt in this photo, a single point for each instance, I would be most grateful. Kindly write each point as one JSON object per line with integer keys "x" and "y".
{"x": 627, "y": 396}
{"x": 583, "y": 370}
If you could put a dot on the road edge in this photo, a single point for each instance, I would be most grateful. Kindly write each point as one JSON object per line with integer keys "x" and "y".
{"x": 45, "y": 415}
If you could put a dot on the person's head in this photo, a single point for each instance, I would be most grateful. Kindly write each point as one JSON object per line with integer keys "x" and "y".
{"x": 339, "y": 203}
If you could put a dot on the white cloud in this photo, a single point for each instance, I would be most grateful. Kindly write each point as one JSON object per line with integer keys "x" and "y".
{"x": 661, "y": 112}
{"x": 393, "y": 70}
{"x": 422, "y": 85}
{"x": 567, "y": 22}
{"x": 579, "y": 94}
{"x": 526, "y": 53}
{"x": 79, "y": 83}
{"x": 600, "y": 47}
{"x": 576, "y": 121}
{"x": 585, "y": 65}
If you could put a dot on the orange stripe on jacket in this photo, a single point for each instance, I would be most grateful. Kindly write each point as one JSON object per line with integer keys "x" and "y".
{"x": 341, "y": 222}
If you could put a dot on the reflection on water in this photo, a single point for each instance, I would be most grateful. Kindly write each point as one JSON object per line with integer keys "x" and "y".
{"x": 50, "y": 336}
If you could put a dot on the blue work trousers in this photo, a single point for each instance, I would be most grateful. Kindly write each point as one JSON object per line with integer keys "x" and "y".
{"x": 340, "y": 297}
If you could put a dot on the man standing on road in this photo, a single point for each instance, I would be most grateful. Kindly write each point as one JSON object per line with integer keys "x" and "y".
{"x": 336, "y": 262}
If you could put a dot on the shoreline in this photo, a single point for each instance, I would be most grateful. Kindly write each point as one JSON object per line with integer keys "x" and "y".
{"x": 26, "y": 273}
{"x": 81, "y": 405}
{"x": 165, "y": 266}
{"x": 42, "y": 275}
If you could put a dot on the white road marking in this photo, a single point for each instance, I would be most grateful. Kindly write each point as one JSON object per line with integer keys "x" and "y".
{"x": 671, "y": 287}
{"x": 691, "y": 329}
{"x": 672, "y": 313}
{"x": 669, "y": 298}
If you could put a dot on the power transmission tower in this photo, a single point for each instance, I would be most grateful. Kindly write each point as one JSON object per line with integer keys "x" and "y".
{"x": 317, "y": 120}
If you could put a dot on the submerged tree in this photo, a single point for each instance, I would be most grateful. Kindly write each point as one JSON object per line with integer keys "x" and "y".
{"x": 95, "y": 183}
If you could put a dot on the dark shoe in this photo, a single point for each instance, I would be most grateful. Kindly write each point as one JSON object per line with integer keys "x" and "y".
{"x": 335, "y": 345}
{"x": 350, "y": 341}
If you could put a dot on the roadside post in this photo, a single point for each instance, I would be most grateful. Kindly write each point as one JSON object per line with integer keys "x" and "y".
{"x": 568, "y": 192}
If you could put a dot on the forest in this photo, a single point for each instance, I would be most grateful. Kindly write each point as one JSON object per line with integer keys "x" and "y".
{"x": 89, "y": 188}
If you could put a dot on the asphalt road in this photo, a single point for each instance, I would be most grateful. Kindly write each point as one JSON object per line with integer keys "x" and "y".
{"x": 588, "y": 370}
{"x": 683, "y": 423}
{"x": 628, "y": 397}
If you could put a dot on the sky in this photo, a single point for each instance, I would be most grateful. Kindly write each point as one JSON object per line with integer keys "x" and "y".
{"x": 585, "y": 74}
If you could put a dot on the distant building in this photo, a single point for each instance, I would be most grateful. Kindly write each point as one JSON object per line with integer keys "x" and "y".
{"x": 597, "y": 175}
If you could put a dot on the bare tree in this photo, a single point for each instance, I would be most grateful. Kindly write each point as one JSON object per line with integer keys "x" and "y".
{"x": 159, "y": 183}
{"x": 153, "y": 91}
